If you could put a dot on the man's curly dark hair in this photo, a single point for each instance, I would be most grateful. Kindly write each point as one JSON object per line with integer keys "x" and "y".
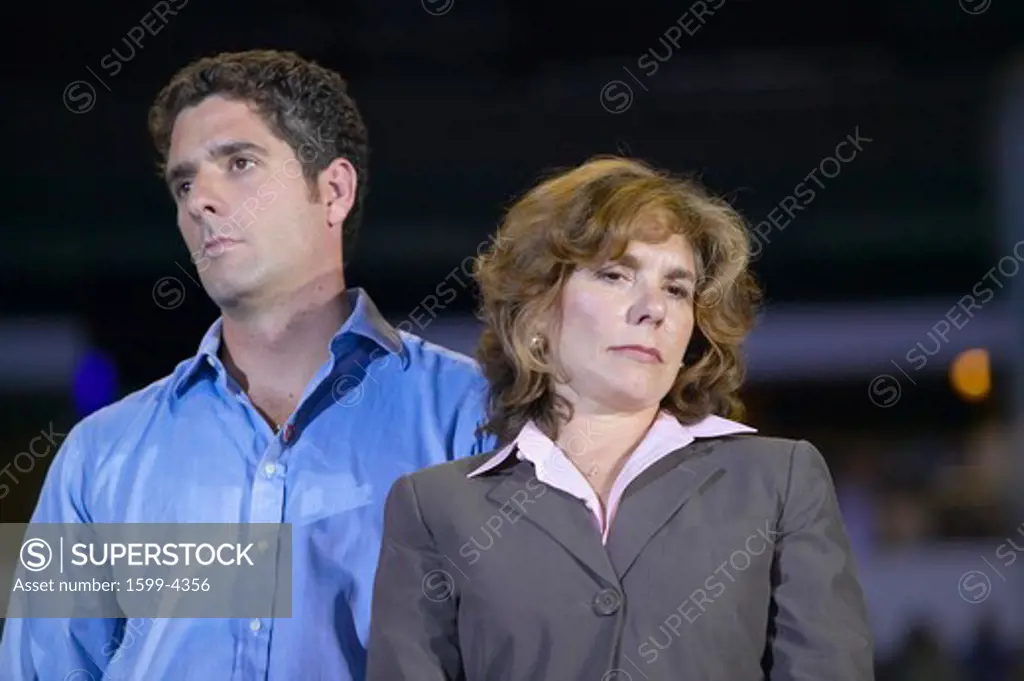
{"x": 298, "y": 99}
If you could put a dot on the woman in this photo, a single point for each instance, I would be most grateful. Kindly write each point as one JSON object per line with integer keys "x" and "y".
{"x": 626, "y": 528}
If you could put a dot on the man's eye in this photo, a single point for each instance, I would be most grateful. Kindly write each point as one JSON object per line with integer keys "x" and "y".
{"x": 241, "y": 163}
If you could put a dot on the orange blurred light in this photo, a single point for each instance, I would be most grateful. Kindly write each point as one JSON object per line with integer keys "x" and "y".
{"x": 970, "y": 374}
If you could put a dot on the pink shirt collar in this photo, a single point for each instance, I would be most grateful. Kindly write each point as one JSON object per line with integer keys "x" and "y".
{"x": 554, "y": 467}
{"x": 666, "y": 431}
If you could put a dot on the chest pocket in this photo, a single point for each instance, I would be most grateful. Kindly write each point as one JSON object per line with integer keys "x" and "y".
{"x": 322, "y": 496}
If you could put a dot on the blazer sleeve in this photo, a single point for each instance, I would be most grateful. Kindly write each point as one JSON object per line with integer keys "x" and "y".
{"x": 820, "y": 629}
{"x": 413, "y": 633}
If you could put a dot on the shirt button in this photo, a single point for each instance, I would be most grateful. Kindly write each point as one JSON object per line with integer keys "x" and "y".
{"x": 255, "y": 625}
{"x": 269, "y": 470}
{"x": 607, "y": 602}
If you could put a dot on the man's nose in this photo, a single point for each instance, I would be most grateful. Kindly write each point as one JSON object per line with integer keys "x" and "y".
{"x": 205, "y": 198}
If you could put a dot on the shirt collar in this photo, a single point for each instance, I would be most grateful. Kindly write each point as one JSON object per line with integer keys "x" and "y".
{"x": 665, "y": 425}
{"x": 365, "y": 320}
{"x": 205, "y": 358}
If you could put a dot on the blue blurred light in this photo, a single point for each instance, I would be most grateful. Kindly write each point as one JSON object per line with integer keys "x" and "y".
{"x": 95, "y": 383}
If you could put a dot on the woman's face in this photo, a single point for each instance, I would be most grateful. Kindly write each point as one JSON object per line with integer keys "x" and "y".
{"x": 625, "y": 326}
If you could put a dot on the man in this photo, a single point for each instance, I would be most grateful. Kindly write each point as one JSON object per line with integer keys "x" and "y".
{"x": 302, "y": 405}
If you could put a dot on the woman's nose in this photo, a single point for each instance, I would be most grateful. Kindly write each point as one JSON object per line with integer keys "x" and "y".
{"x": 649, "y": 307}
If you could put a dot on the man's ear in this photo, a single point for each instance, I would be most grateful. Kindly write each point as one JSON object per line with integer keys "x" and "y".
{"x": 338, "y": 184}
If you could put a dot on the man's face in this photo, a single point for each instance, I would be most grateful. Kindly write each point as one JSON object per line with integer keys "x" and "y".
{"x": 245, "y": 210}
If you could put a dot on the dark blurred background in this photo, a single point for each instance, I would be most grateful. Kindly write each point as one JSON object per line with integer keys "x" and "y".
{"x": 867, "y": 345}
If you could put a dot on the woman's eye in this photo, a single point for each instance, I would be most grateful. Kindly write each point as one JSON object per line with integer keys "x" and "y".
{"x": 610, "y": 275}
{"x": 679, "y": 292}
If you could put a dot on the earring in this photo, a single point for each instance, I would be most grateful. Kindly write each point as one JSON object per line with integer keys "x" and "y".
{"x": 537, "y": 345}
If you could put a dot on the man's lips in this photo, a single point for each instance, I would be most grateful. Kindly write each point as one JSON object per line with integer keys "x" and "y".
{"x": 639, "y": 351}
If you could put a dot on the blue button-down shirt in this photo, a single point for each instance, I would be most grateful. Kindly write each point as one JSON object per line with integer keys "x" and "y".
{"x": 192, "y": 448}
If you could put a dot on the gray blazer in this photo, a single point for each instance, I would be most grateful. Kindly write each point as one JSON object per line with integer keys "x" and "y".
{"x": 727, "y": 560}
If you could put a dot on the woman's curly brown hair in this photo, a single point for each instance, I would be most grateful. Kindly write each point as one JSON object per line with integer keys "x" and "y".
{"x": 586, "y": 217}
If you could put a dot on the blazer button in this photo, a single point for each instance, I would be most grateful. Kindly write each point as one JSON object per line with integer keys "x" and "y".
{"x": 607, "y": 602}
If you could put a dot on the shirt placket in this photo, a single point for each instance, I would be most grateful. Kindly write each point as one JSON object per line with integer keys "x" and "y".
{"x": 267, "y": 506}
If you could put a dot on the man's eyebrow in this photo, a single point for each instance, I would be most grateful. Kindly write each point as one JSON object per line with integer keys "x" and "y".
{"x": 179, "y": 171}
{"x": 187, "y": 169}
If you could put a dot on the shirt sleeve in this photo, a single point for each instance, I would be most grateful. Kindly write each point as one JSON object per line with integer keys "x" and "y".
{"x": 470, "y": 414}
{"x": 39, "y": 649}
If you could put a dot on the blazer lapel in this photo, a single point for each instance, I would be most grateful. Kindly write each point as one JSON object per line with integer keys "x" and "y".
{"x": 652, "y": 499}
{"x": 561, "y": 516}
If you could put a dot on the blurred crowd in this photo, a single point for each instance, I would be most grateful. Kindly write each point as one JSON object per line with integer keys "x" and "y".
{"x": 923, "y": 658}
{"x": 900, "y": 492}
{"x": 919, "y": 491}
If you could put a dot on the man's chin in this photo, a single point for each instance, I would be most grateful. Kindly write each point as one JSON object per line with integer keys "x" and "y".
{"x": 227, "y": 294}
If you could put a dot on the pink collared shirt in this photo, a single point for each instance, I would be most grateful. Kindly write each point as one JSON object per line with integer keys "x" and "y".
{"x": 555, "y": 469}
